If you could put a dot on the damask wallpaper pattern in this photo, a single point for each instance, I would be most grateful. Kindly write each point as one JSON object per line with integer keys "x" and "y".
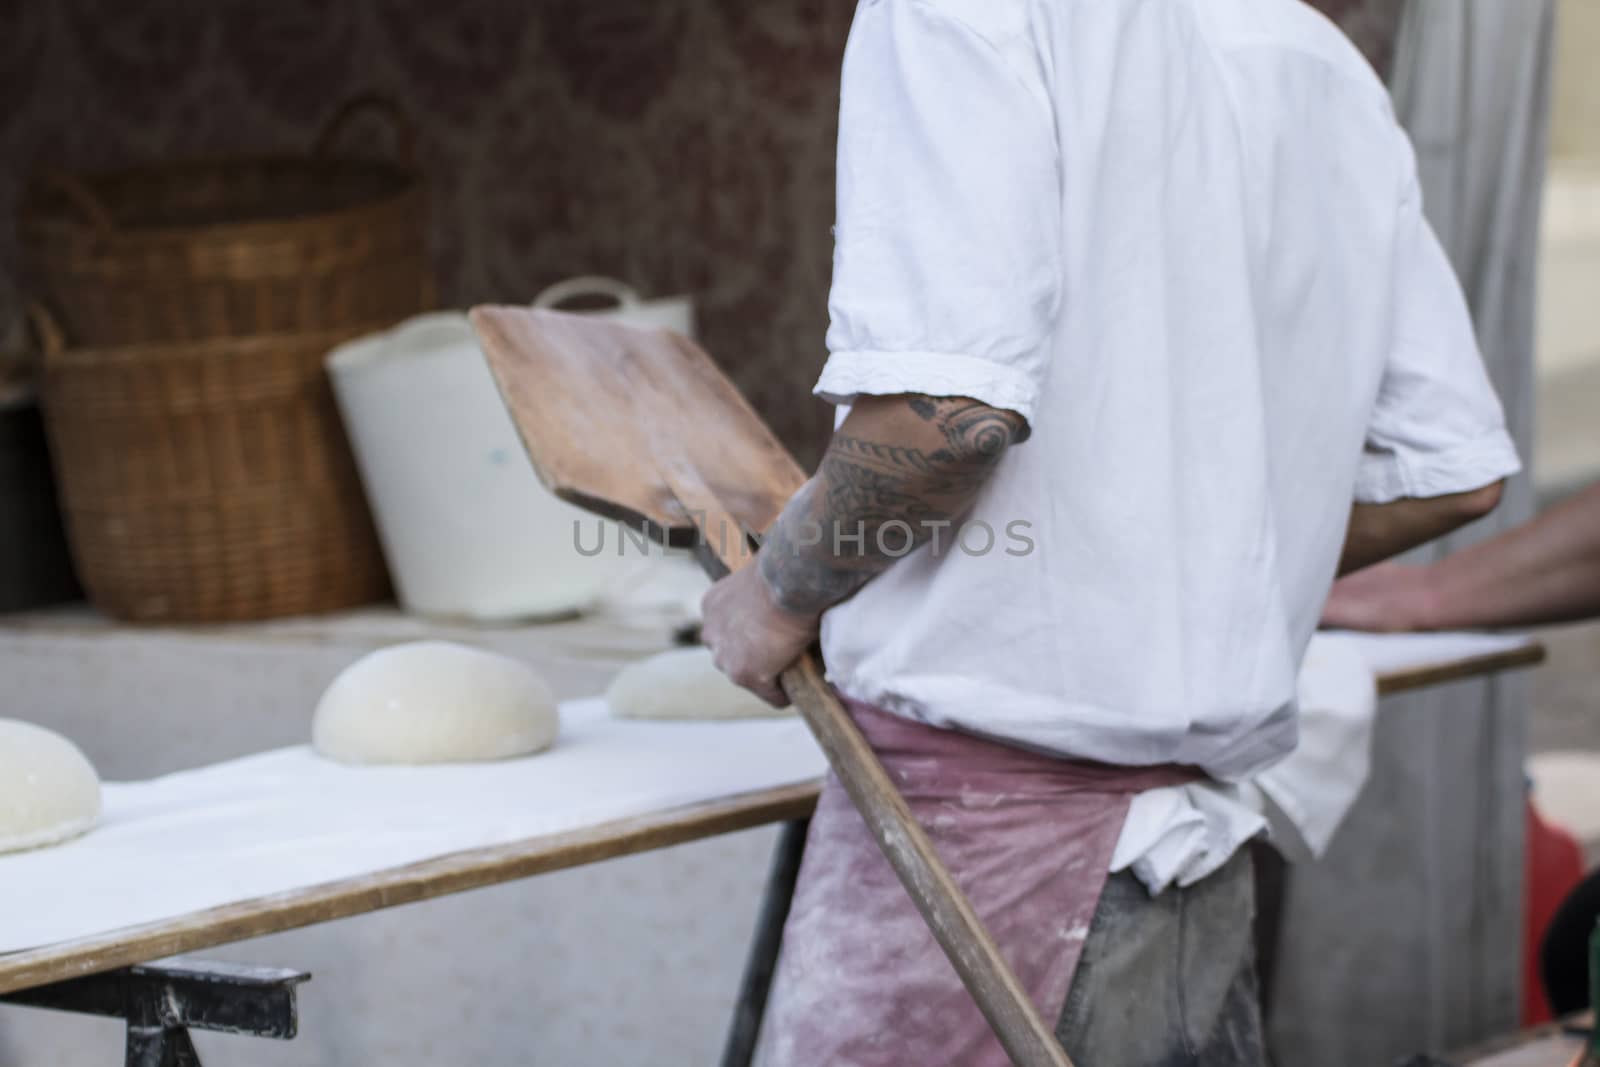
{"x": 683, "y": 145}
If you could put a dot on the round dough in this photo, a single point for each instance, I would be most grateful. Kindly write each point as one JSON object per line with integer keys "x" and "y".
{"x": 49, "y": 791}
{"x": 434, "y": 702}
{"x": 683, "y": 684}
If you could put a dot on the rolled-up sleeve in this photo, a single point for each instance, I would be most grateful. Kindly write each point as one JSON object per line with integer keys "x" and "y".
{"x": 946, "y": 272}
{"x": 1437, "y": 427}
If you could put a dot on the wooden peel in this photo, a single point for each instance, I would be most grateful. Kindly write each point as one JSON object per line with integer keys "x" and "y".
{"x": 640, "y": 426}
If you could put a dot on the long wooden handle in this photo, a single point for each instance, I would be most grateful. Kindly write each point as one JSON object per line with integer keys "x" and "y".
{"x": 1027, "y": 1039}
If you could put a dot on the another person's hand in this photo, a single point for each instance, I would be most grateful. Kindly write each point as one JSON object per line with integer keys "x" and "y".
{"x": 751, "y": 637}
{"x": 1389, "y": 597}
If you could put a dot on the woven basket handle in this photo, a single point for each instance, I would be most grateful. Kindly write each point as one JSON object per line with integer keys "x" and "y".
{"x": 369, "y": 103}
{"x": 80, "y": 196}
{"x": 52, "y": 340}
{"x": 50, "y": 343}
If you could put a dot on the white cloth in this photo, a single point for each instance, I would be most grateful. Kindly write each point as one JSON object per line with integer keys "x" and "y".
{"x": 1179, "y": 836}
{"x": 1184, "y": 239}
{"x": 289, "y": 819}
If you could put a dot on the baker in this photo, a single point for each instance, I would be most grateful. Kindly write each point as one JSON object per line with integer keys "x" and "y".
{"x": 1148, "y": 281}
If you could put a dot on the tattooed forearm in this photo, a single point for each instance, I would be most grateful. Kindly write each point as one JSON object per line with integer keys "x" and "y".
{"x": 899, "y": 471}
{"x": 971, "y": 428}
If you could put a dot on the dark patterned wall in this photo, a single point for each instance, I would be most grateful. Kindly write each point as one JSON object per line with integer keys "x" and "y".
{"x": 684, "y": 145}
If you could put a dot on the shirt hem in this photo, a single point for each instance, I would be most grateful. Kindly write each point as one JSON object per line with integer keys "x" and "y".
{"x": 1473, "y": 465}
{"x": 851, "y": 374}
{"x": 1249, "y": 754}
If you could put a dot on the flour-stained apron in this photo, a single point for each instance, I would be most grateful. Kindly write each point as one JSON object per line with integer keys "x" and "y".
{"x": 1029, "y": 837}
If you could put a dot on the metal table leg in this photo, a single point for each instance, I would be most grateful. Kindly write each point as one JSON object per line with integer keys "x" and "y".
{"x": 763, "y": 957}
{"x": 162, "y": 1002}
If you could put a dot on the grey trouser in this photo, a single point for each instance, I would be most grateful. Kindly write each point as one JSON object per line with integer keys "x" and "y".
{"x": 1169, "y": 981}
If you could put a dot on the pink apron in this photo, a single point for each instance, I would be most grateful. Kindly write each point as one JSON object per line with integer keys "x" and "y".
{"x": 861, "y": 982}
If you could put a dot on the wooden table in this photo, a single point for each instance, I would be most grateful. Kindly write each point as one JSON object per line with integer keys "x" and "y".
{"x": 1555, "y": 1050}
{"x": 1546, "y": 1046}
{"x": 505, "y": 863}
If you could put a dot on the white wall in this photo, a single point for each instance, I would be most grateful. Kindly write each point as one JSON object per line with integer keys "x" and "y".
{"x": 1575, "y": 128}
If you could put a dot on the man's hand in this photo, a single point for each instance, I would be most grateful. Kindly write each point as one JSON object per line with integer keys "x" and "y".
{"x": 1390, "y": 597}
{"x": 1543, "y": 572}
{"x": 752, "y": 638}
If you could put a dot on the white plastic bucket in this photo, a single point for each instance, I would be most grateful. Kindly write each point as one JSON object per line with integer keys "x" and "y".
{"x": 467, "y": 529}
{"x": 667, "y": 313}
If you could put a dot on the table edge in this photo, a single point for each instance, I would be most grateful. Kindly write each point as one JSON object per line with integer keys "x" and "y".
{"x": 424, "y": 880}
{"x": 493, "y": 865}
{"x": 1529, "y": 654}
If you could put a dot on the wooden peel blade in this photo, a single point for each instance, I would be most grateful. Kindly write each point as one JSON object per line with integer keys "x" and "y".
{"x": 640, "y": 426}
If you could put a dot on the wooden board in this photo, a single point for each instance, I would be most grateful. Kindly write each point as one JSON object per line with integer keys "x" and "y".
{"x": 641, "y": 425}
{"x": 476, "y": 868}
{"x": 602, "y": 407}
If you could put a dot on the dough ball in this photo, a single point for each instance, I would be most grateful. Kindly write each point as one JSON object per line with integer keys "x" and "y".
{"x": 48, "y": 788}
{"x": 434, "y": 702}
{"x": 683, "y": 684}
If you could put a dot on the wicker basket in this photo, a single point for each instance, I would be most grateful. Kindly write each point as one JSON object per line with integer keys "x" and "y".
{"x": 231, "y": 247}
{"x": 210, "y": 480}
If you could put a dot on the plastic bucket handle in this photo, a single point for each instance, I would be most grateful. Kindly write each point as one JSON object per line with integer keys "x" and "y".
{"x": 587, "y": 285}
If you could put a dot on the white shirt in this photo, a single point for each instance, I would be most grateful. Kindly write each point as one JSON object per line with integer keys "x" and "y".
{"x": 1184, "y": 239}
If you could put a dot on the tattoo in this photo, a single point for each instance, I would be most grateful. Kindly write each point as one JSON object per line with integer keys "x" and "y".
{"x": 971, "y": 429}
{"x": 881, "y": 500}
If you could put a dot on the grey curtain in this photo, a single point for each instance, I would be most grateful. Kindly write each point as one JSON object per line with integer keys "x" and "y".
{"x": 1408, "y": 935}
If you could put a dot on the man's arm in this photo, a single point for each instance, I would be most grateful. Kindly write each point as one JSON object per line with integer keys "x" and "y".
{"x": 1379, "y": 531}
{"x": 1544, "y": 571}
{"x": 897, "y": 475}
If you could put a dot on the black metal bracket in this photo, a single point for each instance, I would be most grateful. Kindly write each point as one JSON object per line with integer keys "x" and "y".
{"x": 762, "y": 961}
{"x": 162, "y": 1002}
